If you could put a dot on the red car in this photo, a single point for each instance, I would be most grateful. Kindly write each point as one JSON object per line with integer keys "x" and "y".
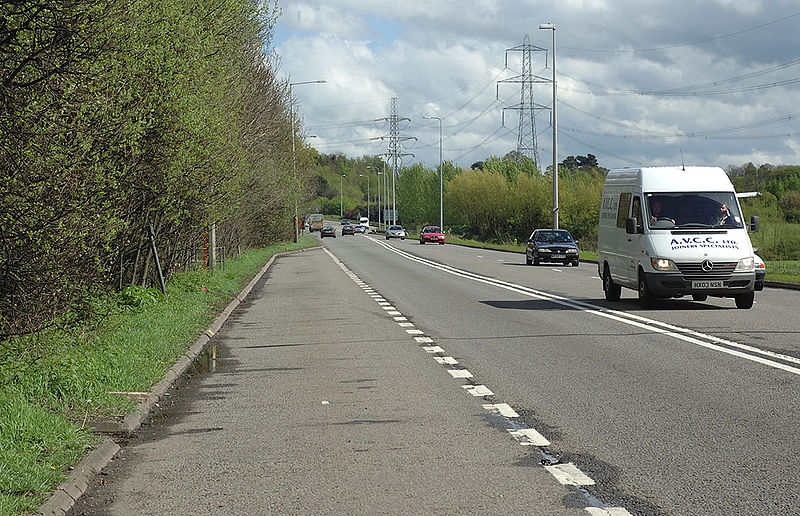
{"x": 431, "y": 234}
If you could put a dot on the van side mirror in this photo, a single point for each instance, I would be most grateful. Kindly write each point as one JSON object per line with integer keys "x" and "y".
{"x": 630, "y": 225}
{"x": 755, "y": 224}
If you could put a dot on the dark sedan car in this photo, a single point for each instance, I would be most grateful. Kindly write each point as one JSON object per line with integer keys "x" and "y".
{"x": 348, "y": 230}
{"x": 552, "y": 245}
{"x": 327, "y": 231}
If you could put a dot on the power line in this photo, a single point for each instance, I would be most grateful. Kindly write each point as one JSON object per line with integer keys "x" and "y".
{"x": 689, "y": 44}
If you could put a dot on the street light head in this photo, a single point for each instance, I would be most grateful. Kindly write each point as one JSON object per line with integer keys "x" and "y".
{"x": 548, "y": 26}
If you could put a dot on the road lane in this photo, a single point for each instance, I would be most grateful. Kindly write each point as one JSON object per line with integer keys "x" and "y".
{"x": 666, "y": 426}
{"x": 321, "y": 403}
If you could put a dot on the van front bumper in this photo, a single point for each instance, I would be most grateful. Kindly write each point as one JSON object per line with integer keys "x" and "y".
{"x": 676, "y": 285}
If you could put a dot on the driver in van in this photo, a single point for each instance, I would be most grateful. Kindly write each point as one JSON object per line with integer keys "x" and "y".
{"x": 723, "y": 216}
{"x": 655, "y": 212}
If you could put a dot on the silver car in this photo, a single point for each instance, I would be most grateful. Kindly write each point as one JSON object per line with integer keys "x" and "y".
{"x": 396, "y": 232}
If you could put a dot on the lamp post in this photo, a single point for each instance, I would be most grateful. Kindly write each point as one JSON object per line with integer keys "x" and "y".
{"x": 550, "y": 26}
{"x": 367, "y": 176}
{"x": 379, "y": 200}
{"x": 441, "y": 172}
{"x": 341, "y": 196}
{"x": 386, "y": 195}
{"x": 294, "y": 155}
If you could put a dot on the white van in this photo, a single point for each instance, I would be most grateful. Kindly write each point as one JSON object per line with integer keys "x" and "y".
{"x": 364, "y": 221}
{"x": 672, "y": 232}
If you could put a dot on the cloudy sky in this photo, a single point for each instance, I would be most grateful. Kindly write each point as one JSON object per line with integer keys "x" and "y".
{"x": 640, "y": 82}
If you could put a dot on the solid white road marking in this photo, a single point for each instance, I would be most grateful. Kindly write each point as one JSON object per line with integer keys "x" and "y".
{"x": 569, "y": 474}
{"x": 652, "y": 325}
{"x": 529, "y": 437}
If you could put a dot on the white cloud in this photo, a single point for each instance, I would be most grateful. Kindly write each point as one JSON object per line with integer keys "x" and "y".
{"x": 444, "y": 58}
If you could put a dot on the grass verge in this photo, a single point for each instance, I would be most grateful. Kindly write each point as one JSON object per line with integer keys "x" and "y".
{"x": 52, "y": 384}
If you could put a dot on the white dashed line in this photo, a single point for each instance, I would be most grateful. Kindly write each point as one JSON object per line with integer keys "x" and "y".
{"x": 459, "y": 373}
{"x": 504, "y": 409}
{"x": 608, "y": 511}
{"x": 569, "y": 474}
{"x": 478, "y": 390}
{"x": 446, "y": 360}
{"x": 529, "y": 437}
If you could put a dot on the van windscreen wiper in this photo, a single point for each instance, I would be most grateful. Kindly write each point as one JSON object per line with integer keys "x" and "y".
{"x": 693, "y": 225}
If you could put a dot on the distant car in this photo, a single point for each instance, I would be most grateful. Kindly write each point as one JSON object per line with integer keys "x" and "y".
{"x": 359, "y": 229}
{"x": 345, "y": 222}
{"x": 552, "y": 245}
{"x": 348, "y": 230}
{"x": 431, "y": 234}
{"x": 327, "y": 231}
{"x": 396, "y": 232}
{"x": 761, "y": 271}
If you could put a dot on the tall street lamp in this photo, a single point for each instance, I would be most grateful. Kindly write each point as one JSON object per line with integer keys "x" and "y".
{"x": 341, "y": 195}
{"x": 294, "y": 154}
{"x": 379, "y": 199}
{"x": 441, "y": 172}
{"x": 367, "y": 176}
{"x": 550, "y": 26}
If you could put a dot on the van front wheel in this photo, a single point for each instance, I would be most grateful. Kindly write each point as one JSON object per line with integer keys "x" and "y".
{"x": 646, "y": 299}
{"x": 745, "y": 300}
{"x": 611, "y": 289}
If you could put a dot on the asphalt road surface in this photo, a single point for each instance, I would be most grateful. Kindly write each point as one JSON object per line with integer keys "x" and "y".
{"x": 318, "y": 404}
{"x": 688, "y": 408}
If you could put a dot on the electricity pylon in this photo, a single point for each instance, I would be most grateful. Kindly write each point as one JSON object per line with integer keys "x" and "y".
{"x": 526, "y": 135}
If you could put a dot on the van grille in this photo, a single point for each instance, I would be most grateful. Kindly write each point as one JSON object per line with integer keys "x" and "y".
{"x": 695, "y": 271}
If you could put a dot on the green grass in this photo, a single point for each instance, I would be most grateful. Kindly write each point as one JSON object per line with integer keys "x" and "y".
{"x": 787, "y": 271}
{"x": 54, "y": 383}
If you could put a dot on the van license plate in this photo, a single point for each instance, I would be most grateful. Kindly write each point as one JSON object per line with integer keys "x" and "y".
{"x": 707, "y": 284}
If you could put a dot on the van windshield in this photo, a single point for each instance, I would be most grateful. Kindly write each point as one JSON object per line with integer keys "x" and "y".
{"x": 693, "y": 210}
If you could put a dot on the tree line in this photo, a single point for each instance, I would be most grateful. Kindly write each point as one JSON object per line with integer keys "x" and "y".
{"x": 502, "y": 199}
{"x": 121, "y": 115}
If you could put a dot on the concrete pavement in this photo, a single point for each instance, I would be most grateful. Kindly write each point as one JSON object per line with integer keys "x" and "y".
{"x": 323, "y": 400}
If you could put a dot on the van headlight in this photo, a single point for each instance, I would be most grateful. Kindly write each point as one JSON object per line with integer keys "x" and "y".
{"x": 663, "y": 264}
{"x": 745, "y": 264}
